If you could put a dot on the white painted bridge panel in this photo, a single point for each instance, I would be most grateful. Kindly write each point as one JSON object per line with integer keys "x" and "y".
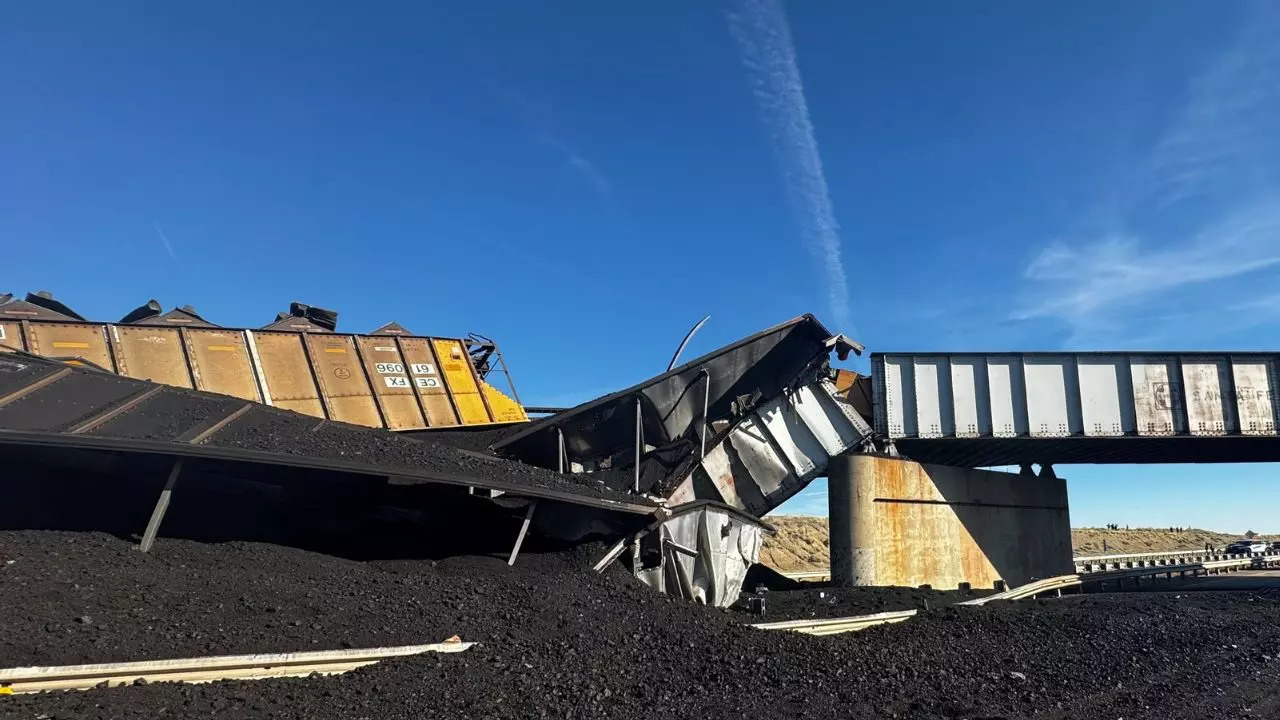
{"x": 971, "y": 398}
{"x": 774, "y": 452}
{"x": 797, "y": 443}
{"x": 1049, "y": 391}
{"x": 1154, "y": 396}
{"x": 1203, "y": 379}
{"x": 1008, "y": 401}
{"x": 1255, "y": 402}
{"x": 1060, "y": 395}
{"x": 932, "y": 395}
{"x": 900, "y": 397}
{"x": 1102, "y": 413}
{"x": 751, "y": 441}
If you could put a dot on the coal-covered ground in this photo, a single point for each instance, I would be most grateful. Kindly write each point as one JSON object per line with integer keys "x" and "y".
{"x": 74, "y": 597}
{"x": 559, "y": 642}
{"x": 834, "y": 602}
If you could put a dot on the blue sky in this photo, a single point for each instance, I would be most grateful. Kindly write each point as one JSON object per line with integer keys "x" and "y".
{"x": 584, "y": 180}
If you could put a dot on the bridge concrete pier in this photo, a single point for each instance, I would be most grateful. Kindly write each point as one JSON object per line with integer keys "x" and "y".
{"x": 898, "y": 522}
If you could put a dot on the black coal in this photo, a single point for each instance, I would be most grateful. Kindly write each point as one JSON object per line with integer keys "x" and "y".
{"x": 833, "y": 602}
{"x": 290, "y": 433}
{"x": 557, "y": 641}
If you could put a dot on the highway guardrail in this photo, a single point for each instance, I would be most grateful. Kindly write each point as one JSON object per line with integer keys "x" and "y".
{"x": 1131, "y": 556}
{"x": 1163, "y": 559}
{"x": 1208, "y": 566}
{"x": 832, "y": 626}
{"x": 1091, "y": 563}
{"x": 1124, "y": 562}
{"x": 808, "y": 575}
{"x": 1031, "y": 589}
{"x": 1062, "y": 582}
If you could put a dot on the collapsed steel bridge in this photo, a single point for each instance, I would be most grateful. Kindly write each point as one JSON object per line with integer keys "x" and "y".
{"x": 675, "y": 471}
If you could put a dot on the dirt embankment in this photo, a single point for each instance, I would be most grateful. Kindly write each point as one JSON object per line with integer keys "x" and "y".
{"x": 1089, "y": 541}
{"x": 801, "y": 542}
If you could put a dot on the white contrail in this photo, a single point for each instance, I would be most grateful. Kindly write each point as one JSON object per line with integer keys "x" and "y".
{"x": 165, "y": 240}
{"x": 764, "y": 39}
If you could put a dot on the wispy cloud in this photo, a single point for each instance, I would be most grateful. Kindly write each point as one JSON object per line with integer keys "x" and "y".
{"x": 539, "y": 118}
{"x": 1110, "y": 274}
{"x": 1218, "y": 142}
{"x": 810, "y": 501}
{"x": 164, "y": 240}
{"x": 581, "y": 165}
{"x": 1203, "y": 207}
{"x": 764, "y": 41}
{"x": 1267, "y": 303}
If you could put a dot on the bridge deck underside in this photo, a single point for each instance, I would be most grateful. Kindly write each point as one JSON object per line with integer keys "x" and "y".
{"x": 992, "y": 452}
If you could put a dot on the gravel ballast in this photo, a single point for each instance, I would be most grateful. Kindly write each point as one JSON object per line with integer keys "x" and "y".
{"x": 558, "y": 642}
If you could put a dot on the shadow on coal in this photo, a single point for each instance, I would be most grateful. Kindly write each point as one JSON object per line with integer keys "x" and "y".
{"x": 351, "y": 516}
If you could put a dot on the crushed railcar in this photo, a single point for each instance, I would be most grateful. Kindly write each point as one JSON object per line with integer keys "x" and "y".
{"x": 674, "y": 474}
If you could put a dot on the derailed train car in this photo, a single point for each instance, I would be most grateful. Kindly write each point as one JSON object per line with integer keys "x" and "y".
{"x": 705, "y": 449}
{"x": 388, "y": 379}
{"x": 722, "y": 440}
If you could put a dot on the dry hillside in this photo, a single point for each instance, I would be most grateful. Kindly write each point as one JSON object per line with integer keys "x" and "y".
{"x": 1088, "y": 541}
{"x": 801, "y": 542}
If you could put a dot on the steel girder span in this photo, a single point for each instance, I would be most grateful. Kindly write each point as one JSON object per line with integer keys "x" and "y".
{"x": 992, "y": 409}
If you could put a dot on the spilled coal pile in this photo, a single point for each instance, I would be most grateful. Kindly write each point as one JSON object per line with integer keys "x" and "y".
{"x": 556, "y": 641}
{"x": 830, "y": 601}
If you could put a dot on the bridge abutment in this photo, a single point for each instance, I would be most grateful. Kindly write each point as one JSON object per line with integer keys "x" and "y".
{"x": 898, "y": 522}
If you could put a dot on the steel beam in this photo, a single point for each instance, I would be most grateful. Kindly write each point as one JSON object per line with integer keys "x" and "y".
{"x": 162, "y": 506}
{"x": 524, "y": 530}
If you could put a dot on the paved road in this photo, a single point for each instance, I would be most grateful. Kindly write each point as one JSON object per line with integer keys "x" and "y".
{"x": 1243, "y": 580}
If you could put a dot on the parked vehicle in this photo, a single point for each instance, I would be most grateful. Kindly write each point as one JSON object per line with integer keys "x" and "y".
{"x": 1247, "y": 547}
